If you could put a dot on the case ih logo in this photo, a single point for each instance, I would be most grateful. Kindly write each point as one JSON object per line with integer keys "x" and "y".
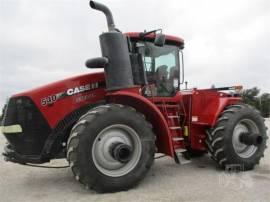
{"x": 69, "y": 92}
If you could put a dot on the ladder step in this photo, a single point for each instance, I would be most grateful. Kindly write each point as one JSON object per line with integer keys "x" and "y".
{"x": 181, "y": 159}
{"x": 173, "y": 116}
{"x": 177, "y": 139}
{"x": 175, "y": 127}
{"x": 177, "y": 151}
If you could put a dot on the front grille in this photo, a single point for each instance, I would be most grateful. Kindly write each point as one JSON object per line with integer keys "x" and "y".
{"x": 22, "y": 110}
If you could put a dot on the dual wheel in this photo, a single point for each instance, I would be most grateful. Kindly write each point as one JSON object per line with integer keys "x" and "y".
{"x": 238, "y": 139}
{"x": 111, "y": 148}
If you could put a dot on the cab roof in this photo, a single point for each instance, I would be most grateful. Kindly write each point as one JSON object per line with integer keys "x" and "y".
{"x": 151, "y": 37}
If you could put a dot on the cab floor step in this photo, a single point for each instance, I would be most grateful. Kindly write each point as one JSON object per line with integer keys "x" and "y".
{"x": 177, "y": 139}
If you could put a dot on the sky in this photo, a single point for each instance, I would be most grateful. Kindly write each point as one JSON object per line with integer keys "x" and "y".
{"x": 226, "y": 42}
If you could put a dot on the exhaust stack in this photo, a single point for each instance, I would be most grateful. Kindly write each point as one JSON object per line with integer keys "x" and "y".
{"x": 114, "y": 48}
{"x": 107, "y": 13}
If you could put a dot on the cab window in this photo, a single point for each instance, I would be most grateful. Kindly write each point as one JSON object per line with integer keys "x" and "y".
{"x": 162, "y": 68}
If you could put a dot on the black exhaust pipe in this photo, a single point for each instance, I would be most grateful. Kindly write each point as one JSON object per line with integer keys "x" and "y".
{"x": 106, "y": 11}
{"x": 114, "y": 47}
{"x": 251, "y": 139}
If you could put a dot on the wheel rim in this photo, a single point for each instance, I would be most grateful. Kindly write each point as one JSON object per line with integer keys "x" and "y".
{"x": 105, "y": 140}
{"x": 241, "y": 149}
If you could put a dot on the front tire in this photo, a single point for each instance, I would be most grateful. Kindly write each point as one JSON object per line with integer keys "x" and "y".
{"x": 223, "y": 140}
{"x": 111, "y": 148}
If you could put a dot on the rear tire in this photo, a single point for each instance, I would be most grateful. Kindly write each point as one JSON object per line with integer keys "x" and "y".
{"x": 100, "y": 131}
{"x": 223, "y": 139}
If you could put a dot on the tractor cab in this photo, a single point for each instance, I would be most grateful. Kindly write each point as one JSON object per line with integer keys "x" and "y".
{"x": 156, "y": 65}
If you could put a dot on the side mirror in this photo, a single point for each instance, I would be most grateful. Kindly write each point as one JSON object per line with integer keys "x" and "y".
{"x": 160, "y": 40}
{"x": 99, "y": 62}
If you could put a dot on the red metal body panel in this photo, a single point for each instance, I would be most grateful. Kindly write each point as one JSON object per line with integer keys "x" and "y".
{"x": 205, "y": 107}
{"x": 56, "y": 111}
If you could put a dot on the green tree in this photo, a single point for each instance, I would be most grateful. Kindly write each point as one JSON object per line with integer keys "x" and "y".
{"x": 261, "y": 102}
{"x": 265, "y": 104}
{"x": 250, "y": 96}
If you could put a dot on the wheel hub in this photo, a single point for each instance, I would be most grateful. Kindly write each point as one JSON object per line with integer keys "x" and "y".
{"x": 250, "y": 139}
{"x": 121, "y": 152}
{"x": 116, "y": 150}
{"x": 242, "y": 143}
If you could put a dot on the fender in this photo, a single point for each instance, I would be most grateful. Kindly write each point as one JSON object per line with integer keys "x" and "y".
{"x": 131, "y": 97}
{"x": 223, "y": 103}
{"x": 53, "y": 144}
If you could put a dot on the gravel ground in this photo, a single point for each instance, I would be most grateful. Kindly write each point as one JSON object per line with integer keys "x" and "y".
{"x": 167, "y": 181}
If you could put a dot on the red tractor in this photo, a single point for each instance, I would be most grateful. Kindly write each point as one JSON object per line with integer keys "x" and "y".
{"x": 109, "y": 125}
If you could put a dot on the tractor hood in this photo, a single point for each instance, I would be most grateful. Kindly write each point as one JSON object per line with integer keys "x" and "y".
{"x": 36, "y": 116}
{"x": 65, "y": 96}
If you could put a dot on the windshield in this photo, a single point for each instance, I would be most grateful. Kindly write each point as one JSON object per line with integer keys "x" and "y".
{"x": 161, "y": 65}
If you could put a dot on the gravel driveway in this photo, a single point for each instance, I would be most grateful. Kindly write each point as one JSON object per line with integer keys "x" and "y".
{"x": 167, "y": 181}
